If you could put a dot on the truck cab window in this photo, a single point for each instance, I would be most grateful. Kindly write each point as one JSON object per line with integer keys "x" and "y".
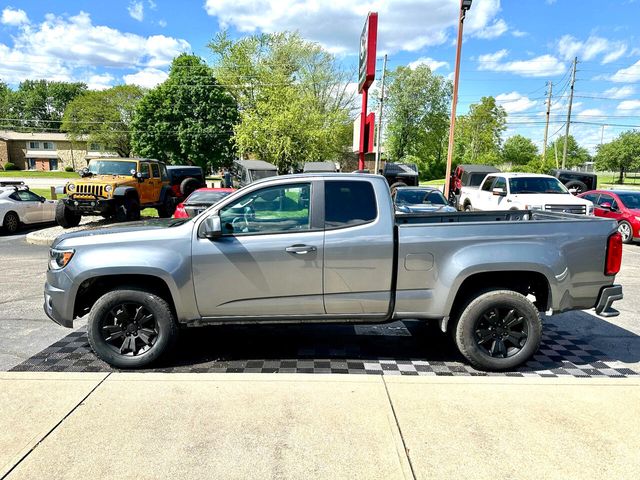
{"x": 348, "y": 203}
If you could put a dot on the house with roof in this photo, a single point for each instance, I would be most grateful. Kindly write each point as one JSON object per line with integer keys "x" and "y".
{"x": 46, "y": 151}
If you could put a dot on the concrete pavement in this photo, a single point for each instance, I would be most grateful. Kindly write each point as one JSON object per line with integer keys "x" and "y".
{"x": 138, "y": 426}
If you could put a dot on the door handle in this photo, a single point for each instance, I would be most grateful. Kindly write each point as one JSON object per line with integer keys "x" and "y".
{"x": 300, "y": 249}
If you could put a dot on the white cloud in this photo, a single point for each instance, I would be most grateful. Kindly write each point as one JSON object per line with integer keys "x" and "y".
{"x": 429, "y": 62}
{"x": 148, "y": 78}
{"x": 542, "y": 66}
{"x": 162, "y": 23}
{"x": 620, "y": 92}
{"x": 515, "y": 102}
{"x": 591, "y": 112}
{"x": 136, "y": 10}
{"x": 569, "y": 47}
{"x": 100, "y": 81}
{"x": 404, "y": 24}
{"x": 519, "y": 33}
{"x": 11, "y": 16}
{"x": 629, "y": 105}
{"x": 627, "y": 75}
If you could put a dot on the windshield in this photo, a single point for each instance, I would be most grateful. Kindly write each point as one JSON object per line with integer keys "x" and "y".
{"x": 259, "y": 174}
{"x": 630, "y": 199}
{"x": 536, "y": 185}
{"x": 206, "y": 197}
{"x": 111, "y": 167}
{"x": 420, "y": 197}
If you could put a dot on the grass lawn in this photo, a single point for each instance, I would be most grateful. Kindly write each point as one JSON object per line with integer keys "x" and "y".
{"x": 35, "y": 174}
{"x": 438, "y": 182}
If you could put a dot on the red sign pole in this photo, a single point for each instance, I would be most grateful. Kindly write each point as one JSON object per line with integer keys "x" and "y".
{"x": 366, "y": 75}
{"x": 363, "y": 122}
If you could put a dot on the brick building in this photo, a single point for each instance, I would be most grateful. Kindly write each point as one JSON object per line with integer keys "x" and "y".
{"x": 45, "y": 151}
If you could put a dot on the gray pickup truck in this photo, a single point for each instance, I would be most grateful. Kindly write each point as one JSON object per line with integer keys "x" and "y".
{"x": 329, "y": 248}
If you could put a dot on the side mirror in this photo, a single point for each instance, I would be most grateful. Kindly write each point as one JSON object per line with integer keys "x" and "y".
{"x": 42, "y": 199}
{"x": 142, "y": 176}
{"x": 605, "y": 206}
{"x": 499, "y": 192}
{"x": 211, "y": 227}
{"x": 84, "y": 172}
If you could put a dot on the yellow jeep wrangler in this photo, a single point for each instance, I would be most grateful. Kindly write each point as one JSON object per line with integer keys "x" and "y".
{"x": 116, "y": 187}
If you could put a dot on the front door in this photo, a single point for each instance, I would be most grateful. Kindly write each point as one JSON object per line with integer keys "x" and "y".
{"x": 145, "y": 188}
{"x": 268, "y": 261}
{"x": 155, "y": 182}
{"x": 31, "y": 206}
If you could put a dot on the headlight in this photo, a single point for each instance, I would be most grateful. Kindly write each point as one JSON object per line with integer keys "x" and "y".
{"x": 108, "y": 188}
{"x": 590, "y": 209}
{"x": 638, "y": 219}
{"x": 533, "y": 207}
{"x": 59, "y": 258}
{"x": 71, "y": 187}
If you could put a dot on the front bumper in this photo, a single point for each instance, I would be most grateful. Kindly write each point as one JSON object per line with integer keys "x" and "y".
{"x": 59, "y": 297}
{"x": 607, "y": 296}
{"x": 97, "y": 205}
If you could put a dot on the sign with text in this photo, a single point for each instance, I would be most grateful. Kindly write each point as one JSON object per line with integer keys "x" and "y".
{"x": 368, "y": 45}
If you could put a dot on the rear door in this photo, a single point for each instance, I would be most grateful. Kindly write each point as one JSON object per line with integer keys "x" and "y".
{"x": 268, "y": 263}
{"x": 358, "y": 249}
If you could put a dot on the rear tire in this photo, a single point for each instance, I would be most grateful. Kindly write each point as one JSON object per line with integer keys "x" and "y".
{"x": 65, "y": 217}
{"x": 579, "y": 186}
{"x": 131, "y": 328}
{"x": 467, "y": 207}
{"x": 396, "y": 185}
{"x": 626, "y": 230}
{"x": 188, "y": 186}
{"x": 498, "y": 330}
{"x": 11, "y": 222}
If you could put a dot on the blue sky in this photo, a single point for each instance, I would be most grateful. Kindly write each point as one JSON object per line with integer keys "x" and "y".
{"x": 511, "y": 47}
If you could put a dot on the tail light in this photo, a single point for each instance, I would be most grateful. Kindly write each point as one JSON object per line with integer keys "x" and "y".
{"x": 180, "y": 212}
{"x": 614, "y": 254}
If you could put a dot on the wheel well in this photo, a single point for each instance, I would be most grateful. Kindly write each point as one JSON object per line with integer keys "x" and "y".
{"x": 92, "y": 289}
{"x": 11, "y": 211}
{"x": 524, "y": 282}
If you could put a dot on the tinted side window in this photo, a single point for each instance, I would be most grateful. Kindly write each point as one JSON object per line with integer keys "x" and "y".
{"x": 592, "y": 197}
{"x": 155, "y": 170}
{"x": 165, "y": 174}
{"x": 605, "y": 199}
{"x": 144, "y": 168}
{"x": 348, "y": 203}
{"x": 500, "y": 183}
{"x": 486, "y": 186}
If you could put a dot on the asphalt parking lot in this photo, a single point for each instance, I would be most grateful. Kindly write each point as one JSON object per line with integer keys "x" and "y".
{"x": 576, "y": 343}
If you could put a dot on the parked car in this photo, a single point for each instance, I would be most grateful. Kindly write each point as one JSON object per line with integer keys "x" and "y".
{"x": 526, "y": 191}
{"x": 466, "y": 179}
{"x": 116, "y": 187}
{"x": 623, "y": 206}
{"x": 576, "y": 182}
{"x": 401, "y": 175}
{"x": 245, "y": 172}
{"x": 200, "y": 200}
{"x": 420, "y": 200}
{"x": 185, "y": 180}
{"x": 319, "y": 167}
{"x": 20, "y": 206}
{"x": 314, "y": 248}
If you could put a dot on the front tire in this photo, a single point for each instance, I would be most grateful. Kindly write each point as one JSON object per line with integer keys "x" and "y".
{"x": 65, "y": 217}
{"x": 168, "y": 207}
{"x": 128, "y": 211}
{"x": 626, "y": 230}
{"x": 499, "y": 330}
{"x": 11, "y": 222}
{"x": 130, "y": 328}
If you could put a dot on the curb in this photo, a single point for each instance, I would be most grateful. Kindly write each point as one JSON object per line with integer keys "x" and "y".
{"x": 34, "y": 239}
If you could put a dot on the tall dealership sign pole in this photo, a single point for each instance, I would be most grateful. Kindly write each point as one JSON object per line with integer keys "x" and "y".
{"x": 366, "y": 75}
{"x": 464, "y": 6}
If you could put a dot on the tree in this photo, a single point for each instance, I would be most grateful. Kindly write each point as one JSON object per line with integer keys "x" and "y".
{"x": 40, "y": 104}
{"x": 293, "y": 98}
{"x": 104, "y": 117}
{"x": 576, "y": 155}
{"x": 479, "y": 133}
{"x": 519, "y": 150}
{"x": 189, "y": 118}
{"x": 418, "y": 121}
{"x": 621, "y": 154}
{"x": 5, "y": 99}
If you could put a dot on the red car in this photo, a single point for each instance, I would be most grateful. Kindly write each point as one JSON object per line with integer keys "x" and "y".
{"x": 620, "y": 205}
{"x": 200, "y": 200}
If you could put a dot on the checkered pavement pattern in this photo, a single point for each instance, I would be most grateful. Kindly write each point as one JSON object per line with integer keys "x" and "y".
{"x": 399, "y": 348}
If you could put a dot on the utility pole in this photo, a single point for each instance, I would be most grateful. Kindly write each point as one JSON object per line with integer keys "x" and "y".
{"x": 566, "y": 134}
{"x": 555, "y": 147}
{"x": 546, "y": 128}
{"x": 384, "y": 71}
{"x": 602, "y": 135}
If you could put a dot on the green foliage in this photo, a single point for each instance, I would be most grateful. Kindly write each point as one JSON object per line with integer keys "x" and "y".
{"x": 519, "y": 150}
{"x": 37, "y": 104}
{"x": 576, "y": 155}
{"x": 189, "y": 118}
{"x": 68, "y": 168}
{"x": 103, "y": 117}
{"x": 292, "y": 95}
{"x": 621, "y": 154}
{"x": 10, "y": 166}
{"x": 479, "y": 133}
{"x": 418, "y": 121}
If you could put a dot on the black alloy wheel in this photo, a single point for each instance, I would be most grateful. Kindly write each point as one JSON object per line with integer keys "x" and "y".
{"x": 501, "y": 332}
{"x": 129, "y": 329}
{"x": 11, "y": 222}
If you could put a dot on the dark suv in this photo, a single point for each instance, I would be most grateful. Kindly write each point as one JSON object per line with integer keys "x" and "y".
{"x": 576, "y": 182}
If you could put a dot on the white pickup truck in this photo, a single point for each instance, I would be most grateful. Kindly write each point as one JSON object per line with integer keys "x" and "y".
{"x": 526, "y": 191}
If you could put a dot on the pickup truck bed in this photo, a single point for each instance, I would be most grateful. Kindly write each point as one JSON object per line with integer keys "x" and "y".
{"x": 329, "y": 248}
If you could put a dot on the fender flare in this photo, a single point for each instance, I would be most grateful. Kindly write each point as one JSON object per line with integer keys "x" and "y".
{"x": 125, "y": 191}
{"x": 166, "y": 190}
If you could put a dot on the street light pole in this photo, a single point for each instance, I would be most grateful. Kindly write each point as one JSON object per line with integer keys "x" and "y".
{"x": 464, "y": 6}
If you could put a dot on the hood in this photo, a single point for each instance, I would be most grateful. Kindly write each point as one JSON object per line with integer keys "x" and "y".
{"x": 635, "y": 211}
{"x": 550, "y": 198}
{"x": 127, "y": 227}
{"x": 101, "y": 179}
{"x": 425, "y": 208}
